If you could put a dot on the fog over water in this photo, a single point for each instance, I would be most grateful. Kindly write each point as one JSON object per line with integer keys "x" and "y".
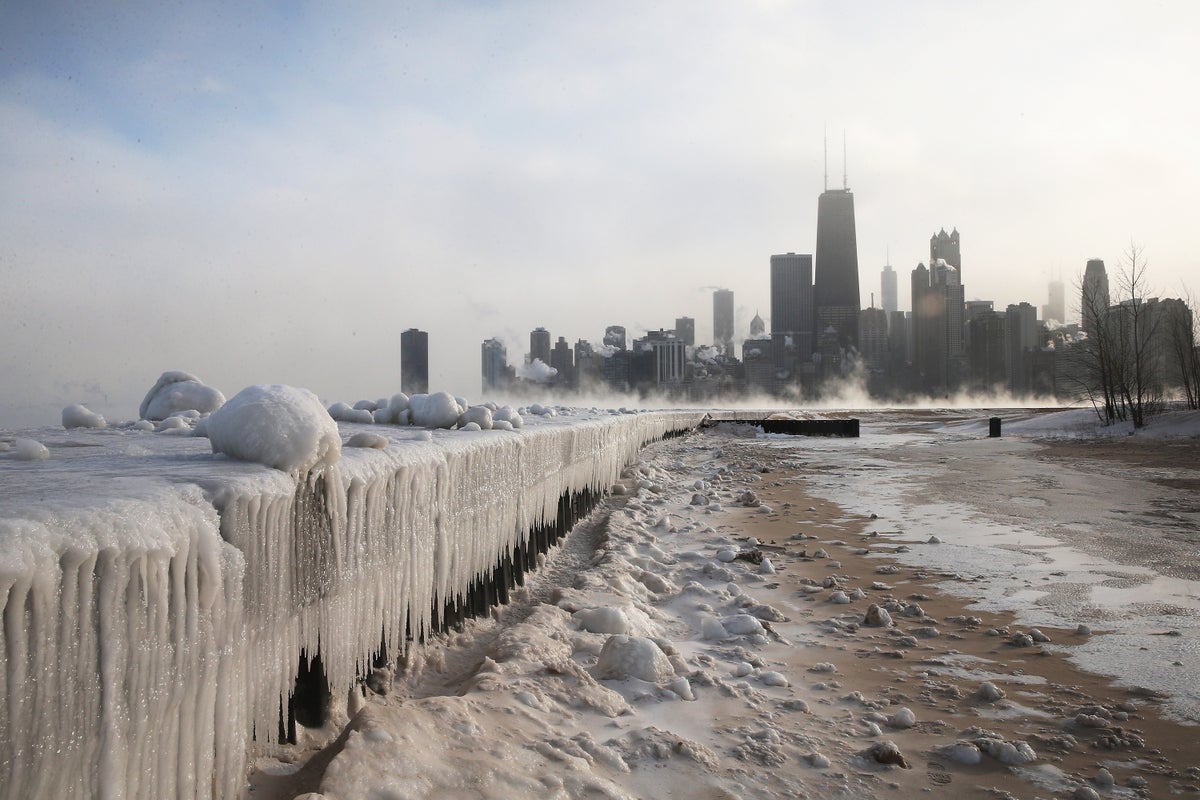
{"x": 272, "y": 194}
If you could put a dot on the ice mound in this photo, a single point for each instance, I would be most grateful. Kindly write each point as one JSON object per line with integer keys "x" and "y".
{"x": 178, "y": 391}
{"x": 438, "y": 410}
{"x": 633, "y": 657}
{"x": 30, "y": 450}
{"x": 344, "y": 413}
{"x": 280, "y": 426}
{"x": 80, "y": 416}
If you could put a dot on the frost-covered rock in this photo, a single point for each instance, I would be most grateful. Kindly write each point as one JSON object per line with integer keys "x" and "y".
{"x": 438, "y": 410}
{"x": 886, "y": 753}
{"x": 990, "y": 692}
{"x": 903, "y": 718}
{"x": 179, "y": 391}
{"x": 77, "y": 415}
{"x": 633, "y": 657}
{"x": 280, "y": 426}
{"x": 961, "y": 752}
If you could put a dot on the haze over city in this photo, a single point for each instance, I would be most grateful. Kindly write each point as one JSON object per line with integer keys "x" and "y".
{"x": 274, "y": 194}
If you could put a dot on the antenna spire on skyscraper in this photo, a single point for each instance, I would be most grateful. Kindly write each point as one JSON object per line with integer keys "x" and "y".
{"x": 825, "y": 139}
{"x": 845, "y": 181}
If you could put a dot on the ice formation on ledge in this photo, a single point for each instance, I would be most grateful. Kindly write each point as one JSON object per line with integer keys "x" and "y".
{"x": 177, "y": 391}
{"x": 80, "y": 416}
{"x": 438, "y": 410}
{"x": 280, "y": 426}
{"x": 156, "y": 599}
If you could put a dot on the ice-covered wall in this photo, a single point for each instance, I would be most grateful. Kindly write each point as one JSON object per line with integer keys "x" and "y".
{"x": 156, "y": 598}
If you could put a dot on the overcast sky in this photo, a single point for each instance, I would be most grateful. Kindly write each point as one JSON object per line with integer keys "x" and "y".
{"x": 272, "y": 192}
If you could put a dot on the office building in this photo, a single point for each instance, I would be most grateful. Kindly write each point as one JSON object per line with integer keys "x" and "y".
{"x": 1094, "y": 300}
{"x": 494, "y": 359}
{"x": 414, "y": 362}
{"x": 614, "y": 336}
{"x": 888, "y": 298}
{"x": 1056, "y": 307}
{"x": 723, "y": 320}
{"x": 685, "y": 330}
{"x": 946, "y": 247}
{"x": 835, "y": 291}
{"x": 792, "y": 320}
{"x": 539, "y": 346}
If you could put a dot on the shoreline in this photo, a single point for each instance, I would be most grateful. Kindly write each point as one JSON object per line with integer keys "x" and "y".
{"x": 939, "y": 677}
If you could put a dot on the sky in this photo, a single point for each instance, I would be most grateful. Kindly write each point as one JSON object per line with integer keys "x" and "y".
{"x": 271, "y": 192}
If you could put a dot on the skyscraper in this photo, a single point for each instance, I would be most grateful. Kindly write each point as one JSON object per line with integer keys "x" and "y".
{"x": 563, "y": 359}
{"x": 494, "y": 359}
{"x": 685, "y": 330}
{"x": 414, "y": 361}
{"x": 539, "y": 345}
{"x": 1094, "y": 301}
{"x": 945, "y": 246}
{"x": 792, "y": 302}
{"x": 888, "y": 298}
{"x": 836, "y": 295}
{"x": 1056, "y": 308}
{"x": 723, "y": 319}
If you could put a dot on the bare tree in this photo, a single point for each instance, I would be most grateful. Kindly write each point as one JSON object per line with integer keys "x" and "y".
{"x": 1137, "y": 370}
{"x": 1093, "y": 372}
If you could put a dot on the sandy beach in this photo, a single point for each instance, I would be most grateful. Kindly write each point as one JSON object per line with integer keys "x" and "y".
{"x": 746, "y": 569}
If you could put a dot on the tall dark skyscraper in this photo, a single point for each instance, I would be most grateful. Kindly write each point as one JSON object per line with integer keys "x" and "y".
{"x": 1094, "y": 300}
{"x": 539, "y": 345}
{"x": 792, "y": 302}
{"x": 494, "y": 359}
{"x": 414, "y": 361}
{"x": 836, "y": 294}
{"x": 723, "y": 319}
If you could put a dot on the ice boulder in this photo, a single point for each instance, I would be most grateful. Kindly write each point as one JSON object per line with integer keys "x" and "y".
{"x": 179, "y": 391}
{"x": 30, "y": 450}
{"x": 80, "y": 416}
{"x": 280, "y": 426}
{"x": 344, "y": 413}
{"x": 507, "y": 414}
{"x": 633, "y": 657}
{"x": 438, "y": 410}
{"x": 480, "y": 415}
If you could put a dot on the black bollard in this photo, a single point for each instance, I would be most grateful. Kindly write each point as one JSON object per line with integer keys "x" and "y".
{"x": 994, "y": 427}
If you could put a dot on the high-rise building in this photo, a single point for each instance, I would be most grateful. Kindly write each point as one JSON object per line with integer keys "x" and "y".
{"x": 946, "y": 279}
{"x": 757, "y": 327}
{"x": 945, "y": 246}
{"x": 1056, "y": 308}
{"x": 723, "y": 319}
{"x": 494, "y": 358}
{"x": 792, "y": 321}
{"x": 1022, "y": 338}
{"x": 414, "y": 361}
{"x": 835, "y": 292}
{"x": 1094, "y": 298}
{"x": 873, "y": 338}
{"x": 614, "y": 336}
{"x": 685, "y": 330}
{"x": 888, "y": 298}
{"x": 929, "y": 327}
{"x": 539, "y": 346}
{"x": 563, "y": 359}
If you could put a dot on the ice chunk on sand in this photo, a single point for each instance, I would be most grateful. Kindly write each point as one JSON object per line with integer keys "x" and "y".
{"x": 80, "y": 416}
{"x": 633, "y": 656}
{"x": 280, "y": 426}
{"x": 178, "y": 391}
{"x": 602, "y": 620}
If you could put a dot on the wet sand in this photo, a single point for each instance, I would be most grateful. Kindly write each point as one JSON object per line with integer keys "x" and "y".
{"x": 1076, "y": 721}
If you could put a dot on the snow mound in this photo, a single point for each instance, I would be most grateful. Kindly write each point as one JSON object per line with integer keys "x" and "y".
{"x": 80, "y": 416}
{"x": 279, "y": 426}
{"x": 367, "y": 439}
{"x": 179, "y": 391}
{"x": 633, "y": 657}
{"x": 507, "y": 414}
{"x": 344, "y": 413}
{"x": 30, "y": 450}
{"x": 602, "y": 620}
{"x": 438, "y": 410}
{"x": 480, "y": 415}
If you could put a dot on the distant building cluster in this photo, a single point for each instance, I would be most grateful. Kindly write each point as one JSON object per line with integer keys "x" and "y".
{"x": 818, "y": 333}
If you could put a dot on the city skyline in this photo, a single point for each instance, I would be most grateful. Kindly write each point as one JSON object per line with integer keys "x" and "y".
{"x": 274, "y": 194}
